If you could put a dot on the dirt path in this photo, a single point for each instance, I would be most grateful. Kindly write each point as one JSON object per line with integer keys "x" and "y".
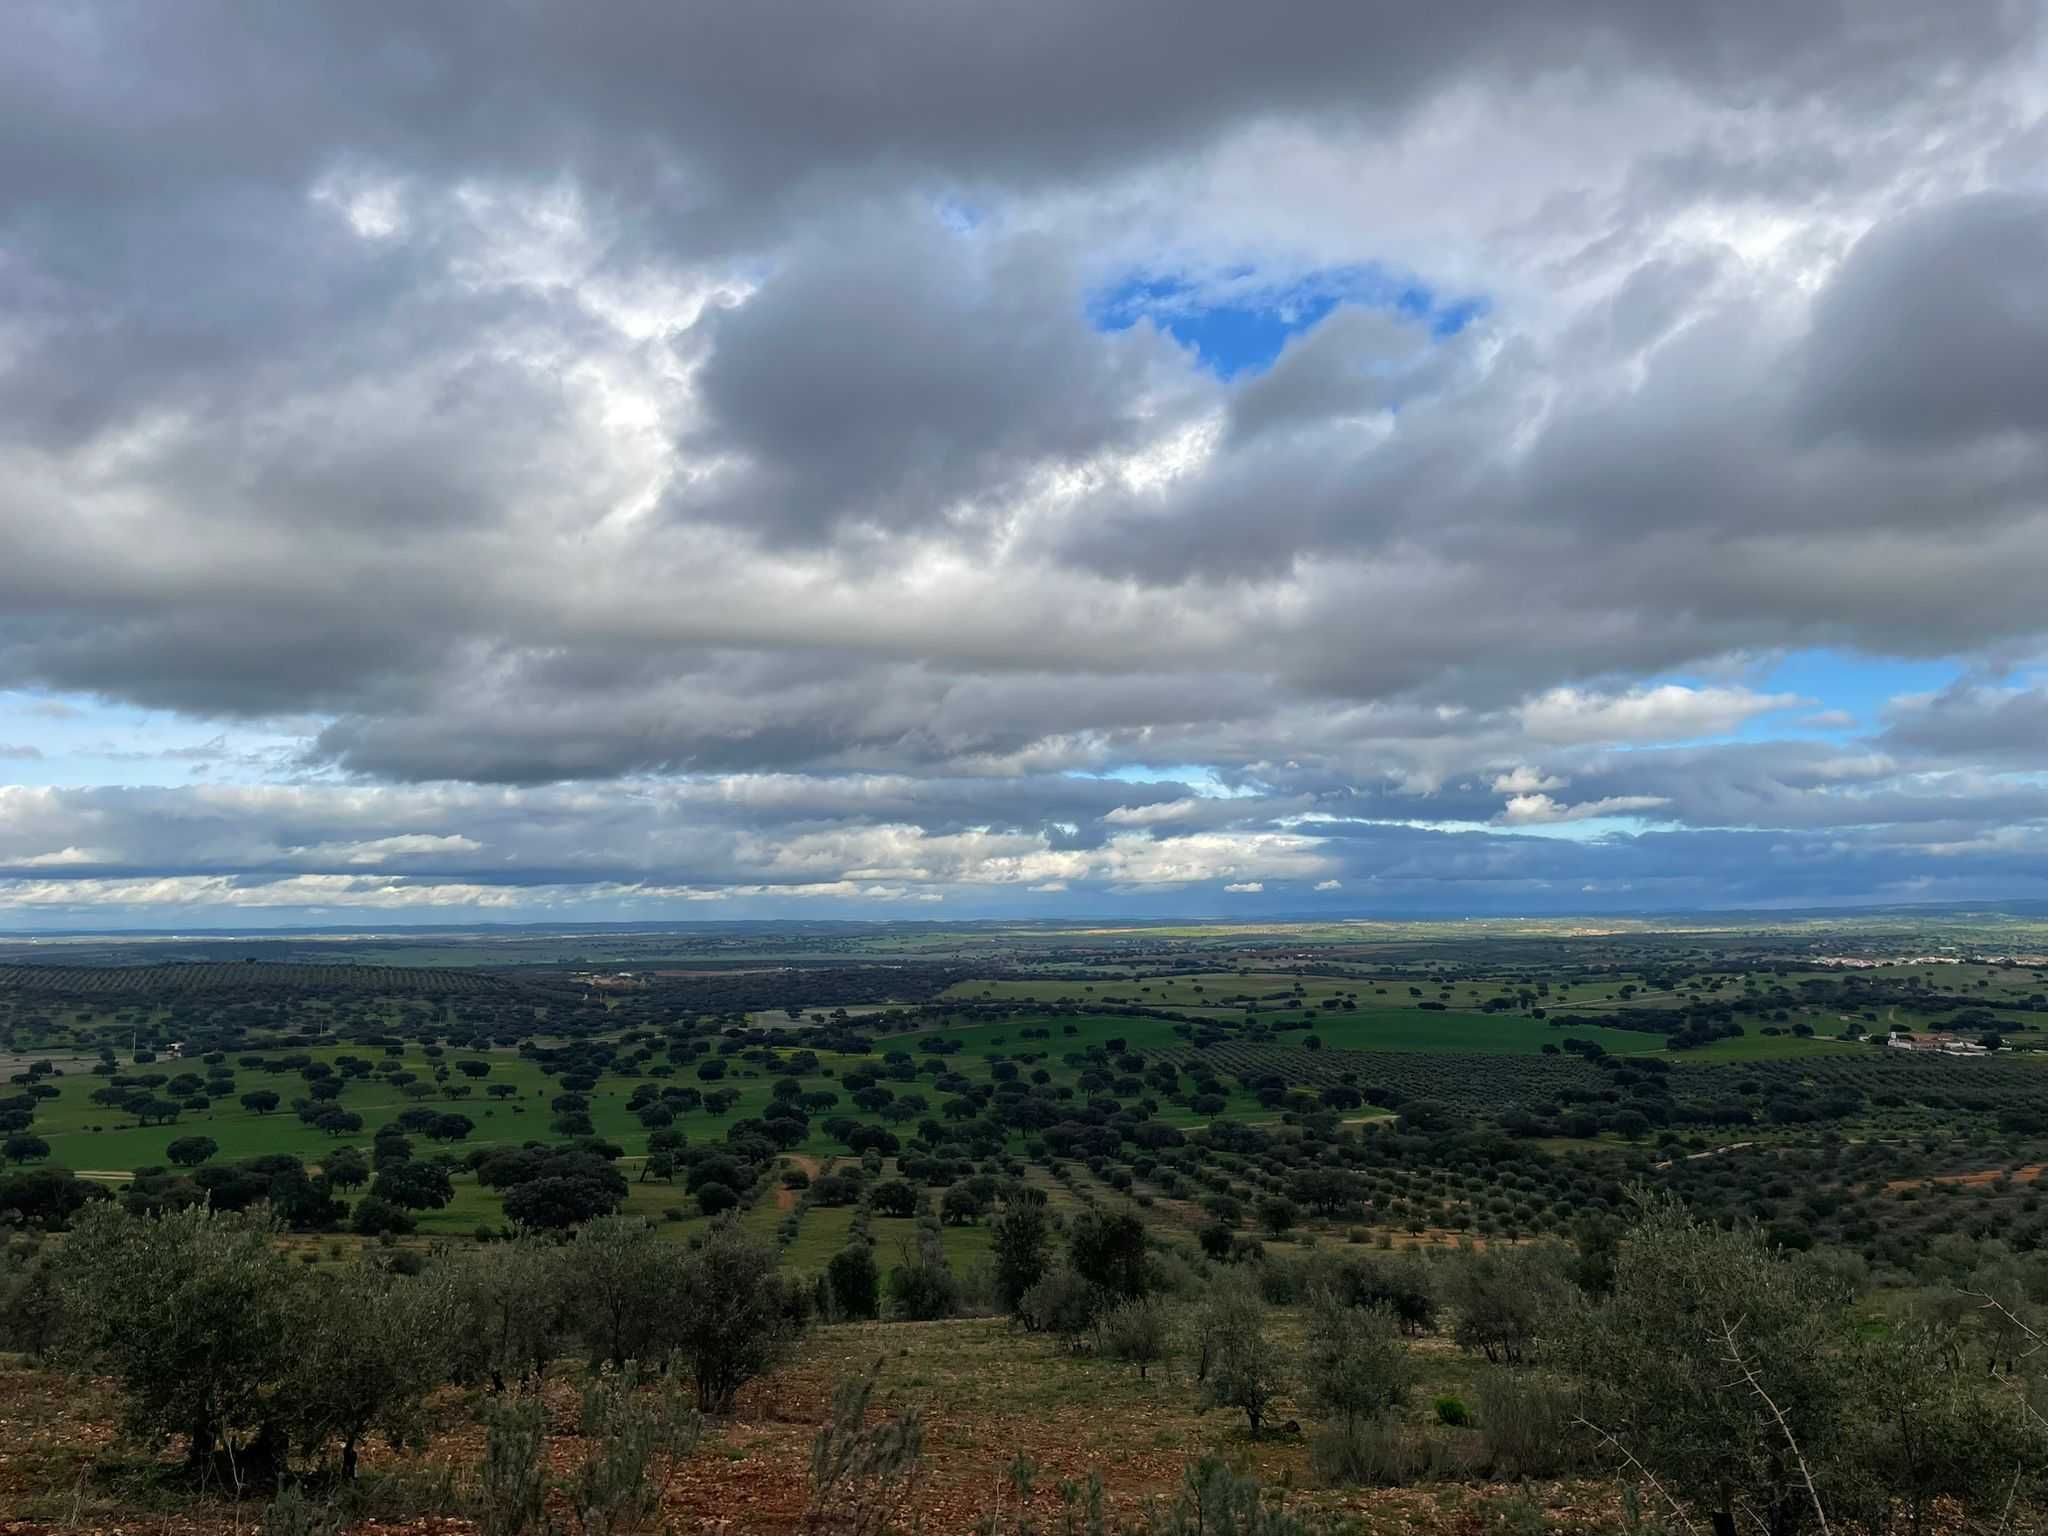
{"x": 2030, "y": 1174}
{"x": 786, "y": 1198}
{"x": 1693, "y": 1157}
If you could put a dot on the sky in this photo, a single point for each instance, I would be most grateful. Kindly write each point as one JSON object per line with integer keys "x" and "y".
{"x": 952, "y": 461}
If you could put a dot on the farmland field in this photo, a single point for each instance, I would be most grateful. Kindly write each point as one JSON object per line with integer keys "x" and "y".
{"x": 1260, "y": 1099}
{"x": 1174, "y": 1028}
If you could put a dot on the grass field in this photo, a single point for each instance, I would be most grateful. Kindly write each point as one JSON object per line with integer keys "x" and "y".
{"x": 93, "y": 1139}
{"x": 1758, "y": 1047}
{"x": 1369, "y": 1029}
{"x": 1248, "y": 979}
{"x": 89, "y": 1137}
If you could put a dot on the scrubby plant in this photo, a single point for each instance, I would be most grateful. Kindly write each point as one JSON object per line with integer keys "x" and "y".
{"x": 631, "y": 1431}
{"x": 512, "y": 1478}
{"x": 854, "y": 1281}
{"x": 1246, "y": 1368}
{"x": 1136, "y": 1332}
{"x": 864, "y": 1477}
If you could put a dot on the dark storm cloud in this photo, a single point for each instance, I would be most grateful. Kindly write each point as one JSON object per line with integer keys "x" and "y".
{"x": 702, "y": 405}
{"x": 1974, "y": 723}
{"x": 895, "y": 374}
{"x": 1936, "y": 328}
{"x": 129, "y": 103}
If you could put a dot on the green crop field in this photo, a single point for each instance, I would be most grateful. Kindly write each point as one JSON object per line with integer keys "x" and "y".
{"x": 1514, "y": 1022}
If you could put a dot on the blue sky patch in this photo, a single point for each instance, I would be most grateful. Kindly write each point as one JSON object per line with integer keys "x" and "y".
{"x": 1859, "y": 686}
{"x": 1237, "y": 319}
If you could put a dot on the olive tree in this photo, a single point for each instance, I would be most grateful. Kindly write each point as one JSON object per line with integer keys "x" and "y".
{"x": 1715, "y": 1364}
{"x": 1930, "y": 1426}
{"x": 624, "y": 1278}
{"x": 1020, "y": 1240}
{"x": 191, "y": 1311}
{"x": 1503, "y": 1300}
{"x": 514, "y": 1297}
{"x": 1355, "y": 1371}
{"x": 1243, "y": 1366}
{"x": 734, "y": 1316}
{"x": 368, "y": 1348}
{"x": 1136, "y": 1332}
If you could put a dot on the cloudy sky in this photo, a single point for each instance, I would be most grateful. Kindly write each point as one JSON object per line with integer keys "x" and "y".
{"x": 542, "y": 462}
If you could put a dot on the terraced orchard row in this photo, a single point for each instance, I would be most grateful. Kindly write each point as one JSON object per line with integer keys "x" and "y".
{"x": 146, "y": 981}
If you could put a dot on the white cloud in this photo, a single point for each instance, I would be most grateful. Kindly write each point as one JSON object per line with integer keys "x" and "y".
{"x": 1151, "y": 815}
{"x": 1329, "y": 885}
{"x": 1524, "y": 780}
{"x": 62, "y": 857}
{"x": 1541, "y": 810}
{"x": 377, "y": 850}
{"x": 366, "y": 892}
{"x": 1670, "y": 712}
{"x": 1246, "y": 887}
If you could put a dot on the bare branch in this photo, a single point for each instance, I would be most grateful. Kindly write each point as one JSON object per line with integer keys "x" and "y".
{"x": 2010, "y": 1494}
{"x": 1648, "y": 1476}
{"x": 1991, "y": 1303}
{"x": 1735, "y": 1359}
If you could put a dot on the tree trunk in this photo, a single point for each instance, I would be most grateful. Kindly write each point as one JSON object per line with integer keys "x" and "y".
{"x": 200, "y": 1452}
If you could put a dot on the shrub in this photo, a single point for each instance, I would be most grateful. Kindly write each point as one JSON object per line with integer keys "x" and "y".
{"x": 1377, "y": 1453}
{"x": 512, "y": 1479}
{"x": 923, "y": 1288}
{"x": 1215, "y": 1501}
{"x": 1243, "y": 1364}
{"x": 1451, "y": 1411}
{"x": 863, "y": 1476}
{"x": 191, "y": 1312}
{"x": 1020, "y": 1239}
{"x": 1526, "y": 1425}
{"x": 291, "y": 1513}
{"x": 1063, "y": 1305}
{"x": 1135, "y": 1332}
{"x": 733, "y": 1316}
{"x": 854, "y": 1281}
{"x": 626, "y": 1429}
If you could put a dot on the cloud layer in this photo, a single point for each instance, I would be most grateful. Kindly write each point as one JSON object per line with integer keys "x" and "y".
{"x": 771, "y": 457}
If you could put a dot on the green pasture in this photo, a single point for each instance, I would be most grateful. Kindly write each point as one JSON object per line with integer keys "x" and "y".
{"x": 823, "y": 1231}
{"x": 85, "y": 1135}
{"x": 1759, "y": 1047}
{"x": 1366, "y": 1029}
